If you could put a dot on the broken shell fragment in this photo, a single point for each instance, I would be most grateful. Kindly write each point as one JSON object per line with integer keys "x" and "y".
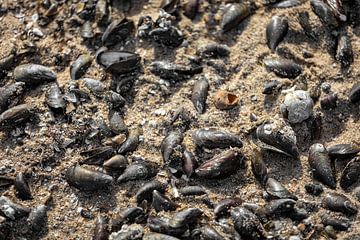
{"x": 225, "y": 100}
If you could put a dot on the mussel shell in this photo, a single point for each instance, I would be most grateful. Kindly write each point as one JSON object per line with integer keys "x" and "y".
{"x": 337, "y": 222}
{"x": 126, "y": 216}
{"x": 213, "y": 138}
{"x": 283, "y": 67}
{"x": 101, "y": 231}
{"x": 343, "y": 151}
{"x": 87, "y": 180}
{"x": 324, "y": 12}
{"x": 258, "y": 168}
{"x": 223, "y": 207}
{"x": 210, "y": 233}
{"x": 146, "y": 191}
{"x": 169, "y": 144}
{"x": 38, "y": 217}
{"x": 118, "y": 62}
{"x": 115, "y": 99}
{"x": 189, "y": 163}
{"x": 79, "y": 67}
{"x": 174, "y": 72}
{"x": 233, "y": 16}
{"x": 95, "y": 86}
{"x": 276, "y": 30}
{"x": 354, "y": 94}
{"x": 6, "y": 181}
{"x": 12, "y": 210}
{"x": 321, "y": 165}
{"x": 280, "y": 137}
{"x": 247, "y": 224}
{"x": 116, "y": 163}
{"x": 344, "y": 52}
{"x": 162, "y": 225}
{"x": 55, "y": 99}
{"x": 162, "y": 203}
{"x": 220, "y": 166}
{"x": 314, "y": 189}
{"x": 16, "y": 115}
{"x": 11, "y": 95}
{"x": 275, "y": 208}
{"x": 192, "y": 191}
{"x": 169, "y": 36}
{"x": 131, "y": 142}
{"x": 97, "y": 156}
{"x": 116, "y": 123}
{"x": 22, "y": 187}
{"x": 199, "y": 94}
{"x": 118, "y": 31}
{"x": 185, "y": 217}
{"x": 351, "y": 173}
{"x": 137, "y": 171}
{"x": 214, "y": 50}
{"x": 276, "y": 190}
{"x": 33, "y": 74}
{"x": 339, "y": 203}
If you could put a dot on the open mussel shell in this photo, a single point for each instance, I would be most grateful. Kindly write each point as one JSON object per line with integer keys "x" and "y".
{"x": 278, "y": 136}
{"x": 351, "y": 173}
{"x": 33, "y": 74}
{"x": 87, "y": 180}
{"x": 321, "y": 165}
{"x": 118, "y": 31}
{"x": 118, "y": 62}
{"x": 158, "y": 236}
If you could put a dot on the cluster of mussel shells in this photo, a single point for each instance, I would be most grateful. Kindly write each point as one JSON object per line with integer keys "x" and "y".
{"x": 248, "y": 219}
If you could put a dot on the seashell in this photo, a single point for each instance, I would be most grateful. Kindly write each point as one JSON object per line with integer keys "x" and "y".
{"x": 133, "y": 231}
{"x": 87, "y": 180}
{"x": 343, "y": 151}
{"x": 127, "y": 216}
{"x": 351, "y": 173}
{"x": 16, "y": 115}
{"x": 192, "y": 191}
{"x": 138, "y": 171}
{"x": 276, "y": 190}
{"x": 168, "y": 36}
{"x": 38, "y": 218}
{"x": 247, "y": 224}
{"x": 223, "y": 207}
{"x": 22, "y": 187}
{"x": 199, "y": 94}
{"x": 172, "y": 141}
{"x": 162, "y": 225}
{"x": 214, "y": 50}
{"x": 275, "y": 208}
{"x": 278, "y": 136}
{"x": 189, "y": 163}
{"x": 87, "y": 31}
{"x": 321, "y": 165}
{"x": 213, "y": 138}
{"x": 115, "y": 99}
{"x": 118, "y": 62}
{"x": 158, "y": 236}
{"x": 118, "y": 31}
{"x": 101, "y": 12}
{"x": 220, "y": 166}
{"x": 297, "y": 106}
{"x": 131, "y": 142}
{"x": 116, "y": 164}
{"x": 146, "y": 191}
{"x": 344, "y": 52}
{"x": 338, "y": 223}
{"x": 33, "y": 74}
{"x": 12, "y": 210}
{"x": 116, "y": 123}
{"x": 101, "y": 231}
{"x": 174, "y": 72}
{"x": 95, "y": 86}
{"x": 259, "y": 168}
{"x": 329, "y": 101}
{"x": 11, "y": 95}
{"x": 55, "y": 99}
{"x": 208, "y": 232}
{"x": 233, "y": 15}
{"x": 283, "y": 67}
{"x": 97, "y": 156}
{"x": 80, "y": 66}
{"x": 324, "y": 13}
{"x": 162, "y": 203}
{"x": 314, "y": 189}
{"x": 339, "y": 203}
{"x": 354, "y": 94}
{"x": 225, "y": 100}
{"x": 145, "y": 25}
{"x": 276, "y": 30}
{"x": 185, "y": 217}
